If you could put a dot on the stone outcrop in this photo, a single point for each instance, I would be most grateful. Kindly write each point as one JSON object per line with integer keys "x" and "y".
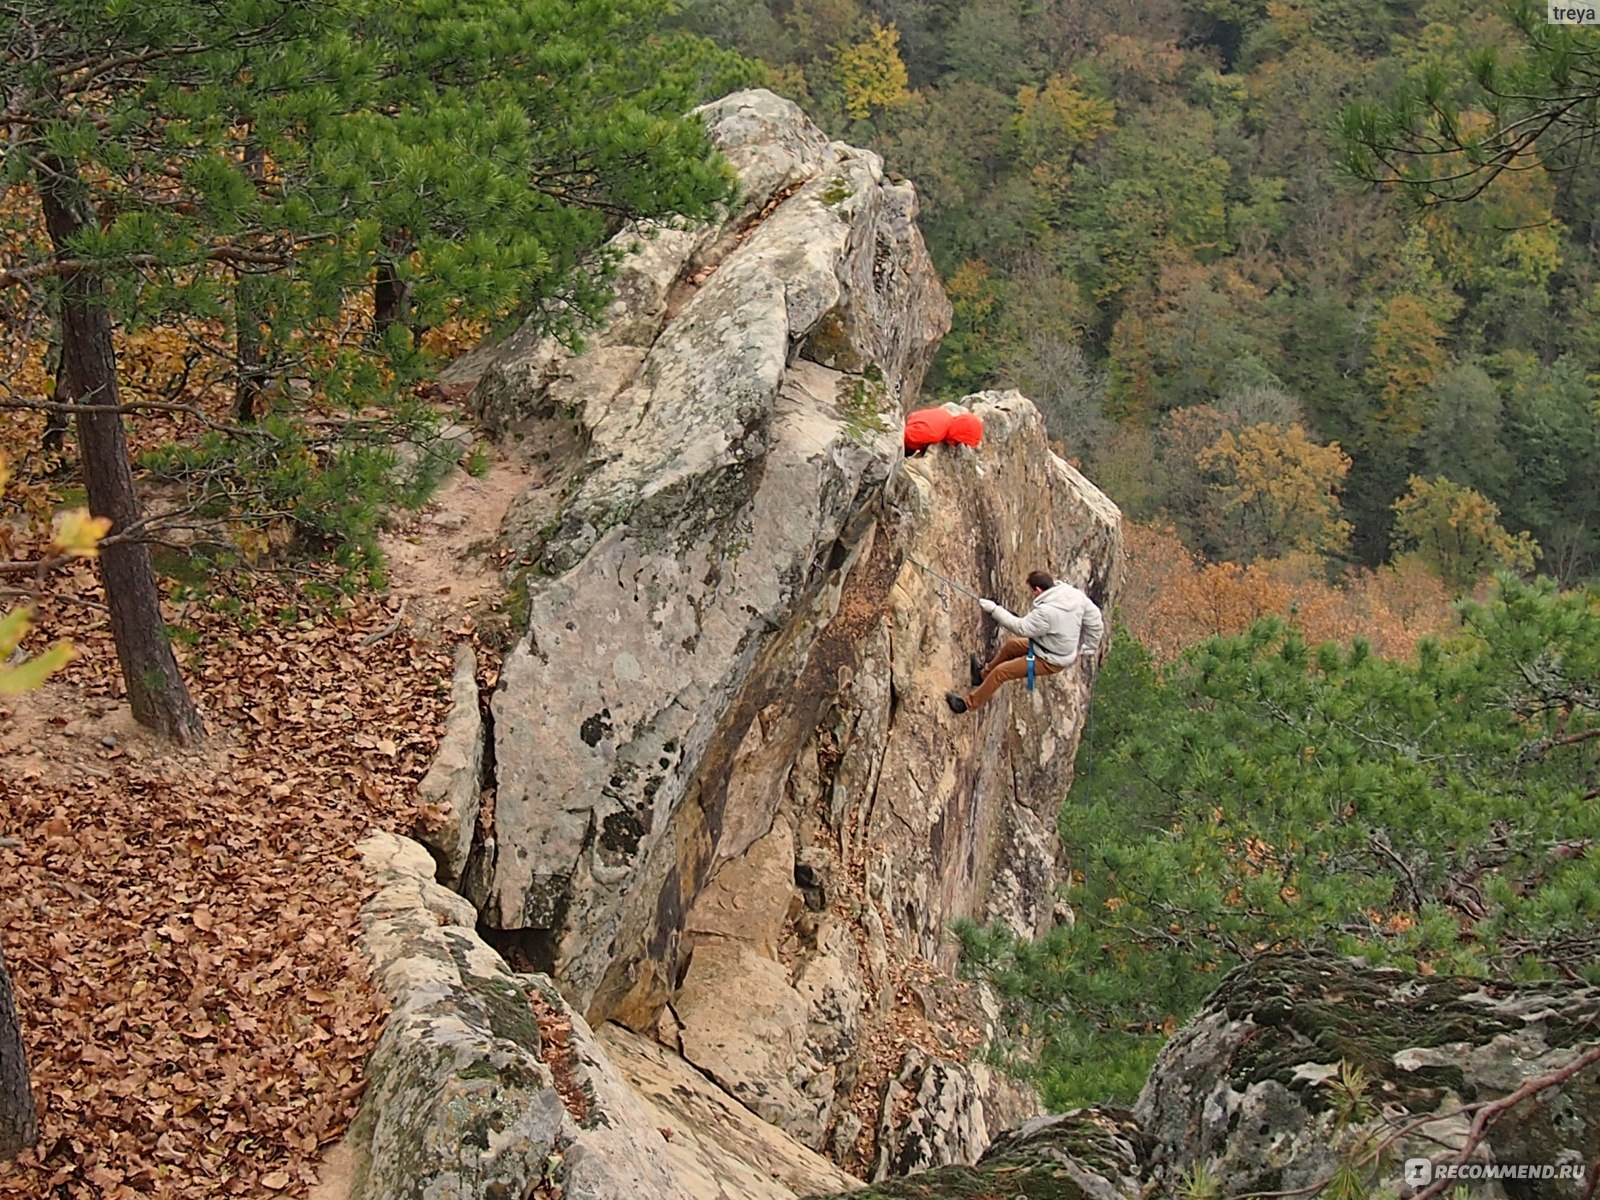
{"x": 719, "y": 1148}
{"x": 1087, "y": 1154}
{"x": 734, "y": 820}
{"x": 1250, "y": 1087}
{"x": 1255, "y": 1092}
{"x": 452, "y": 788}
{"x": 459, "y": 1102}
{"x": 731, "y": 810}
{"x": 485, "y": 1084}
{"x": 465, "y": 1099}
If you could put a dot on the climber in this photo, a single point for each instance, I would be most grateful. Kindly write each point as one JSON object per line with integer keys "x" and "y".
{"x": 930, "y": 426}
{"x": 1063, "y": 626}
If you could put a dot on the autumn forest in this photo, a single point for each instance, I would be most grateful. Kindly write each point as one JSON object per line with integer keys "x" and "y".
{"x": 1310, "y": 289}
{"x": 1148, "y": 221}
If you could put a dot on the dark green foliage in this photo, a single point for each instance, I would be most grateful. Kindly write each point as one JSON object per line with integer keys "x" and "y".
{"x": 1262, "y": 794}
{"x": 333, "y": 493}
{"x": 505, "y": 138}
{"x": 261, "y": 167}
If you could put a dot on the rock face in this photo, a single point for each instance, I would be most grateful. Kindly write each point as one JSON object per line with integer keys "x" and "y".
{"x": 459, "y": 1101}
{"x": 452, "y": 787}
{"x": 1087, "y": 1154}
{"x": 465, "y": 1099}
{"x": 734, "y": 818}
{"x": 1250, "y": 1091}
{"x": 719, "y": 1148}
{"x": 731, "y": 809}
{"x": 1250, "y": 1085}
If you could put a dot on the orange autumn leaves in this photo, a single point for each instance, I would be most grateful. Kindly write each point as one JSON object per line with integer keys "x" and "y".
{"x": 1173, "y": 599}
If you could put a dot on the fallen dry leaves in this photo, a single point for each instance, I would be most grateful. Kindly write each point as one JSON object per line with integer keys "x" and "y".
{"x": 555, "y": 1048}
{"x": 181, "y": 926}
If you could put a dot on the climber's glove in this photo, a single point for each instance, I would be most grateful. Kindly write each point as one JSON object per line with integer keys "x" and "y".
{"x": 988, "y": 606}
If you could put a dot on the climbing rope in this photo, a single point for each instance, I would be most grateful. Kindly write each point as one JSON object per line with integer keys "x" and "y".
{"x": 965, "y": 591}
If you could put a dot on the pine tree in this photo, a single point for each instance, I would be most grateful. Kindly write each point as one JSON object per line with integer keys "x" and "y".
{"x": 266, "y": 163}
{"x": 506, "y": 139}
{"x": 123, "y": 121}
{"x": 1262, "y": 794}
{"x": 1450, "y": 134}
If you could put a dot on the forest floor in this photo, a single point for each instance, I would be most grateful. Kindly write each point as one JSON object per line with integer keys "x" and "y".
{"x": 181, "y": 925}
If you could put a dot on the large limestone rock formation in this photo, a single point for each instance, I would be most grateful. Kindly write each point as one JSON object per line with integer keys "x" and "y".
{"x": 1254, "y": 1093}
{"x": 732, "y": 820}
{"x": 730, "y": 810}
{"x": 484, "y": 1084}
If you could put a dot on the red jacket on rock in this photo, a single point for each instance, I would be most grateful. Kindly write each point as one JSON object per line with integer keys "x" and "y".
{"x": 930, "y": 426}
{"x": 926, "y": 427}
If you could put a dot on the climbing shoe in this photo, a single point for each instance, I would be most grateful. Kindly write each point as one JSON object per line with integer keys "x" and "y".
{"x": 956, "y": 703}
{"x": 975, "y": 664}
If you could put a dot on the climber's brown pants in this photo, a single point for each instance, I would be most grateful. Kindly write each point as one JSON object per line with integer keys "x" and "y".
{"x": 1009, "y": 662}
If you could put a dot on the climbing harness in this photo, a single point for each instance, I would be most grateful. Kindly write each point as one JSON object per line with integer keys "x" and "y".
{"x": 1030, "y": 664}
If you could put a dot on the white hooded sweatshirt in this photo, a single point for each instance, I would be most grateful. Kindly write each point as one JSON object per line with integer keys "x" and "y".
{"x": 1062, "y": 624}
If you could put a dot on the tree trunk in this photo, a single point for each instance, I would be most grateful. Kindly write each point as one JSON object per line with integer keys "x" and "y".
{"x": 391, "y": 297}
{"x": 247, "y": 315}
{"x": 19, "y": 1124}
{"x": 156, "y": 690}
{"x": 247, "y": 350}
{"x": 388, "y": 298}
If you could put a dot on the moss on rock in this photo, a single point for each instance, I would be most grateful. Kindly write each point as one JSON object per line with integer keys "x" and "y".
{"x": 1086, "y": 1154}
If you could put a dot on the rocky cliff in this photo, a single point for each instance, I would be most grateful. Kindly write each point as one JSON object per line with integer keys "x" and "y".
{"x": 1310, "y": 1075}
{"x": 729, "y": 810}
{"x": 485, "y": 1084}
{"x": 714, "y": 823}
{"x": 1302, "y": 1075}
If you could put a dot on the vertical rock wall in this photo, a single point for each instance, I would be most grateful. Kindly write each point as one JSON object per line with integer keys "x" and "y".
{"x": 731, "y": 810}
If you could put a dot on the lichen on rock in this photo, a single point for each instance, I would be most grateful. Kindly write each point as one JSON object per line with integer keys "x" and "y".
{"x": 1246, "y": 1087}
{"x": 717, "y": 597}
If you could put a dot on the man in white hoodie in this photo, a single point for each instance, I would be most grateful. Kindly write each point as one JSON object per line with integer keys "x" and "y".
{"x": 1062, "y": 626}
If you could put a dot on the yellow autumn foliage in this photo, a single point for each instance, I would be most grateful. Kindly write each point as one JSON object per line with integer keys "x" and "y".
{"x": 77, "y": 534}
{"x": 1278, "y": 491}
{"x": 1054, "y": 122}
{"x": 1407, "y": 356}
{"x": 1457, "y": 532}
{"x": 871, "y": 74}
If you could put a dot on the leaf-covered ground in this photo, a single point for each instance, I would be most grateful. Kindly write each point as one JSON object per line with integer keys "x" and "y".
{"x": 181, "y": 927}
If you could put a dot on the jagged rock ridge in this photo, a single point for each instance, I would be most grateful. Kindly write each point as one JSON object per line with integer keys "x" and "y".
{"x": 467, "y": 1100}
{"x": 733, "y": 820}
{"x": 730, "y": 809}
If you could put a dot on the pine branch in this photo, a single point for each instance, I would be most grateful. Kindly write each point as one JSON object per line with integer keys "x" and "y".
{"x": 238, "y": 255}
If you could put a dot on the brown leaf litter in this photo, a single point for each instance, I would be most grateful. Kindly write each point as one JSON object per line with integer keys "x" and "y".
{"x": 181, "y": 926}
